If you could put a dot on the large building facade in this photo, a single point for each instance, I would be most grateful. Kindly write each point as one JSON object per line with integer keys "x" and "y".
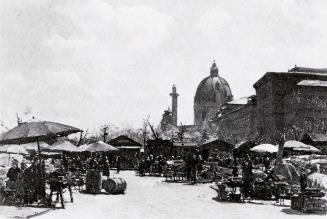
{"x": 290, "y": 104}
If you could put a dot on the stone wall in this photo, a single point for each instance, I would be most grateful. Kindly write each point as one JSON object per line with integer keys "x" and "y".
{"x": 282, "y": 104}
{"x": 306, "y": 109}
{"x": 238, "y": 125}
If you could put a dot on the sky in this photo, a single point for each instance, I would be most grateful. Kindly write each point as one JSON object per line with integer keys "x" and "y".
{"x": 87, "y": 63}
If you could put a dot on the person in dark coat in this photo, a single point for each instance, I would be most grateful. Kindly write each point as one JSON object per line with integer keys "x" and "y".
{"x": 303, "y": 182}
{"x": 118, "y": 163}
{"x": 22, "y": 192}
{"x": 92, "y": 163}
{"x": 56, "y": 186}
{"x": 248, "y": 177}
{"x": 30, "y": 182}
{"x": 194, "y": 167}
{"x": 267, "y": 164}
{"x": 105, "y": 167}
{"x": 235, "y": 170}
{"x": 13, "y": 171}
{"x": 188, "y": 166}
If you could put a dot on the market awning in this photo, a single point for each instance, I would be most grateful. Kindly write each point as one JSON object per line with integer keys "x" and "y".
{"x": 63, "y": 146}
{"x": 218, "y": 144}
{"x": 185, "y": 144}
{"x": 315, "y": 137}
{"x": 295, "y": 144}
{"x": 129, "y": 147}
{"x": 265, "y": 148}
{"x": 100, "y": 146}
{"x": 123, "y": 141}
{"x": 309, "y": 148}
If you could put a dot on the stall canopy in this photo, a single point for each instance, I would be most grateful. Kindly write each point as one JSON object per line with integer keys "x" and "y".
{"x": 100, "y": 146}
{"x": 22, "y": 148}
{"x": 13, "y": 149}
{"x": 316, "y": 139}
{"x": 64, "y": 146}
{"x": 243, "y": 148}
{"x": 36, "y": 131}
{"x": 185, "y": 144}
{"x": 265, "y": 148}
{"x": 310, "y": 138}
{"x": 124, "y": 142}
{"x": 309, "y": 148}
{"x": 294, "y": 144}
{"x": 218, "y": 144}
{"x": 33, "y": 147}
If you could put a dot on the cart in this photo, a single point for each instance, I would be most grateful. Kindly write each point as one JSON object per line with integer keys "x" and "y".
{"x": 309, "y": 201}
{"x": 229, "y": 190}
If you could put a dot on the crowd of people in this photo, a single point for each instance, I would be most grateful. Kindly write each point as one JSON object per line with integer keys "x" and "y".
{"x": 25, "y": 182}
{"x": 151, "y": 164}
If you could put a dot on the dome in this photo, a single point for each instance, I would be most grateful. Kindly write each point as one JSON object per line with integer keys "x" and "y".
{"x": 214, "y": 89}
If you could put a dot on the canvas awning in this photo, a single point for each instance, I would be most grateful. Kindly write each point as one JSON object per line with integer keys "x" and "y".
{"x": 129, "y": 147}
{"x": 218, "y": 144}
{"x": 123, "y": 141}
{"x": 316, "y": 137}
{"x": 265, "y": 148}
{"x": 295, "y": 144}
{"x": 185, "y": 144}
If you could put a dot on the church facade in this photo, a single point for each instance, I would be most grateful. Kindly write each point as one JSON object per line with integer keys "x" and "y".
{"x": 212, "y": 92}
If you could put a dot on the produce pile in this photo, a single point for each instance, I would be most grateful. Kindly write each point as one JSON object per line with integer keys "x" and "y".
{"x": 318, "y": 180}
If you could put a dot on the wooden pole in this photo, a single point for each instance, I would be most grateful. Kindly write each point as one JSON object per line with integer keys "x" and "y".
{"x": 38, "y": 150}
{"x": 279, "y": 158}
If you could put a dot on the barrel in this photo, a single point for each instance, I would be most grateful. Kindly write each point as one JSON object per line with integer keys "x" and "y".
{"x": 93, "y": 181}
{"x": 114, "y": 185}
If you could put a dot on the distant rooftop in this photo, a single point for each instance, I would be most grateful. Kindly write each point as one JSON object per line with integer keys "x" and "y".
{"x": 296, "y": 72}
{"x": 310, "y": 70}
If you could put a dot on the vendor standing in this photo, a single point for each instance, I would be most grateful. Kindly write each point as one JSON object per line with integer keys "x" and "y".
{"x": 12, "y": 173}
{"x": 118, "y": 158}
{"x": 105, "y": 167}
{"x": 303, "y": 182}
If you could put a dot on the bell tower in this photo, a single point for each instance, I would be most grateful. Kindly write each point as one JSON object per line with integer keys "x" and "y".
{"x": 174, "y": 96}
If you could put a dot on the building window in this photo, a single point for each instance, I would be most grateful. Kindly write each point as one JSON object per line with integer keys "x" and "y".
{"x": 204, "y": 115}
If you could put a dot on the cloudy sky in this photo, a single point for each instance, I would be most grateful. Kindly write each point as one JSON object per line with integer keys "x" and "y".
{"x": 86, "y": 63}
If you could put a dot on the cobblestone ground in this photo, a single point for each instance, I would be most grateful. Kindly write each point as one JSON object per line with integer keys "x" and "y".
{"x": 150, "y": 197}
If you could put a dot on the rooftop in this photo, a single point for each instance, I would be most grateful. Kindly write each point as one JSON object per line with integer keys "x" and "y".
{"x": 296, "y": 72}
{"x": 313, "y": 83}
{"x": 308, "y": 70}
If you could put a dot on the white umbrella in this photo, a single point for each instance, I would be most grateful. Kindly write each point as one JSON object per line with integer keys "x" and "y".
{"x": 33, "y": 146}
{"x": 100, "y": 146}
{"x": 295, "y": 144}
{"x": 319, "y": 161}
{"x": 265, "y": 148}
{"x": 16, "y": 149}
{"x": 13, "y": 149}
{"x": 309, "y": 148}
{"x": 83, "y": 147}
{"x": 64, "y": 146}
{"x": 3, "y": 148}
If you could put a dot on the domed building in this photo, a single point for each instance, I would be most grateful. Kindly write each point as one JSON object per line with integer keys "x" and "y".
{"x": 211, "y": 94}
